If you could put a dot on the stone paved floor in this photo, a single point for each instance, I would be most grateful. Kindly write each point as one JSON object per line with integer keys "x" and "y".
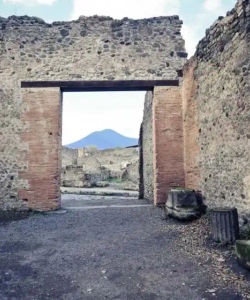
{"x": 81, "y": 202}
{"x": 127, "y": 252}
{"x": 99, "y": 191}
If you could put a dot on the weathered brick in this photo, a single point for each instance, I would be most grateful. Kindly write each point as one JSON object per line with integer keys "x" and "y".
{"x": 44, "y": 150}
{"x": 168, "y": 141}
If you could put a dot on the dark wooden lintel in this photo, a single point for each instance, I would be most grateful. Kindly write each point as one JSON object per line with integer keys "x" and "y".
{"x": 105, "y": 85}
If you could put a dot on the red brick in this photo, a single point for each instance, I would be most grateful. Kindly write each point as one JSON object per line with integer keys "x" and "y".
{"x": 191, "y": 129}
{"x": 43, "y": 116}
{"x": 168, "y": 142}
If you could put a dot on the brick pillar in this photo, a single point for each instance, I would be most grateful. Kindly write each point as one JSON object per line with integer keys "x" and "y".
{"x": 168, "y": 142}
{"x": 42, "y": 134}
{"x": 191, "y": 127}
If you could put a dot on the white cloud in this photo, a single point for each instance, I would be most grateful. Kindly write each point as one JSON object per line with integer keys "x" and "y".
{"x": 30, "y": 2}
{"x": 191, "y": 38}
{"x": 212, "y": 5}
{"x": 118, "y": 9}
{"x": 84, "y": 113}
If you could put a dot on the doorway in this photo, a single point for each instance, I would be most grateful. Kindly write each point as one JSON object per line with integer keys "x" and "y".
{"x": 100, "y": 151}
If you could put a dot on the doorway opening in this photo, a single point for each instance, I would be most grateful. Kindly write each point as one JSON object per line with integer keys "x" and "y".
{"x": 42, "y": 116}
{"x": 100, "y": 151}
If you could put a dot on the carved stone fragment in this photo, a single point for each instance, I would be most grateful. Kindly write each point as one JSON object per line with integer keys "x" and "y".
{"x": 225, "y": 225}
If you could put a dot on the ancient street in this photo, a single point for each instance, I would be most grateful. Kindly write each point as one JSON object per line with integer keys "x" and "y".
{"x": 125, "y": 251}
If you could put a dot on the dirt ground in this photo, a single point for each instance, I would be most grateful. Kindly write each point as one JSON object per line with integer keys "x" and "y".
{"x": 114, "y": 252}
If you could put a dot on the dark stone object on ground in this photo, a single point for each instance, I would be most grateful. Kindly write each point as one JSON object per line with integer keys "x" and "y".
{"x": 184, "y": 204}
{"x": 243, "y": 253}
{"x": 225, "y": 225}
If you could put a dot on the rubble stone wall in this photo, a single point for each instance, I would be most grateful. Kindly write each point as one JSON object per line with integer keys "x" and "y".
{"x": 219, "y": 103}
{"x": 69, "y": 156}
{"x": 147, "y": 148}
{"x": 90, "y": 48}
{"x": 215, "y": 95}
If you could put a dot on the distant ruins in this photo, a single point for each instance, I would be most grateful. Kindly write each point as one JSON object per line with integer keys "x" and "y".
{"x": 194, "y": 135}
{"x": 88, "y": 167}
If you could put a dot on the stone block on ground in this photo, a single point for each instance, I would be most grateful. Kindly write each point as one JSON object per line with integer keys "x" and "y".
{"x": 243, "y": 252}
{"x": 184, "y": 204}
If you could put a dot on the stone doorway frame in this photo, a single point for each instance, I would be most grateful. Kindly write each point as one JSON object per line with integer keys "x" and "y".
{"x": 43, "y": 130}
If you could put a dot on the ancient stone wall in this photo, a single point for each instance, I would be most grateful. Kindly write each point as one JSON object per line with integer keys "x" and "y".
{"x": 217, "y": 79}
{"x": 141, "y": 163}
{"x": 147, "y": 148}
{"x": 69, "y": 156}
{"x": 94, "y": 48}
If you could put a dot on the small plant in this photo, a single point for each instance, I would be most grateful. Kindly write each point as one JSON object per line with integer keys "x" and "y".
{"x": 115, "y": 180}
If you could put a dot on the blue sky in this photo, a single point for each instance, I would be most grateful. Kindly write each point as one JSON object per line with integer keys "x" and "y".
{"x": 120, "y": 114}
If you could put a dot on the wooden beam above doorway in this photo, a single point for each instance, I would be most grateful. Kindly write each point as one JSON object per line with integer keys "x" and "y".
{"x": 101, "y": 85}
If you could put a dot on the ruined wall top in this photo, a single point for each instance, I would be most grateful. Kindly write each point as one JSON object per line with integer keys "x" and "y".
{"x": 93, "y": 48}
{"x": 224, "y": 31}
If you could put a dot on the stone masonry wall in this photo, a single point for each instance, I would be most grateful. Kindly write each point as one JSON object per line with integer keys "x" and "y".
{"x": 93, "y": 48}
{"x": 69, "y": 156}
{"x": 221, "y": 99}
{"x": 147, "y": 148}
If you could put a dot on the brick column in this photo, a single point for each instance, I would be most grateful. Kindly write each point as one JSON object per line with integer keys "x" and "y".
{"x": 191, "y": 128}
{"x": 42, "y": 118}
{"x": 168, "y": 142}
